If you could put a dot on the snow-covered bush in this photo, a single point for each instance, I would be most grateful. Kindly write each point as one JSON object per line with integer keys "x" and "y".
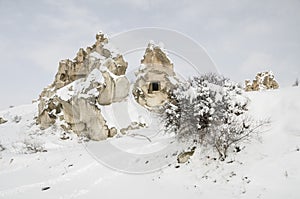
{"x": 209, "y": 110}
{"x": 30, "y": 147}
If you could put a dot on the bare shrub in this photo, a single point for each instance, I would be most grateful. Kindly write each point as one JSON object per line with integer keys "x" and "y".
{"x": 224, "y": 137}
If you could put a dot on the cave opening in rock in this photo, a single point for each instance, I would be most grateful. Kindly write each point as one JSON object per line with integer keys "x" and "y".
{"x": 154, "y": 86}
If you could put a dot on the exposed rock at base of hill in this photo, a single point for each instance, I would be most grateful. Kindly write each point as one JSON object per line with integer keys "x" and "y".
{"x": 185, "y": 156}
{"x": 263, "y": 81}
{"x": 2, "y": 121}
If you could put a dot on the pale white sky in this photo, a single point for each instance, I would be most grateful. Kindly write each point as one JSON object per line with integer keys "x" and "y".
{"x": 242, "y": 36}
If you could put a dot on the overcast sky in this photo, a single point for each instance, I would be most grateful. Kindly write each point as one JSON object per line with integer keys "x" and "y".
{"x": 242, "y": 37}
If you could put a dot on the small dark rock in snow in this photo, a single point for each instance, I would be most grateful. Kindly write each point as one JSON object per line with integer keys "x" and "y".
{"x": 232, "y": 174}
{"x": 205, "y": 177}
{"x": 237, "y": 149}
{"x": 177, "y": 166}
{"x": 174, "y": 154}
{"x": 45, "y": 188}
{"x": 246, "y": 179}
{"x": 147, "y": 162}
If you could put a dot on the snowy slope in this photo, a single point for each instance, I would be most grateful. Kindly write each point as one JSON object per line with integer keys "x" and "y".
{"x": 265, "y": 168}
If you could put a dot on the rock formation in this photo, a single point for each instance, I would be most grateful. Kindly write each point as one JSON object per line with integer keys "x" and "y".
{"x": 155, "y": 78}
{"x": 185, "y": 156}
{"x": 94, "y": 78}
{"x": 263, "y": 80}
{"x": 2, "y": 121}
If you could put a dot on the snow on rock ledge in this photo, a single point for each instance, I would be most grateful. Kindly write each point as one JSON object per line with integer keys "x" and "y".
{"x": 96, "y": 76}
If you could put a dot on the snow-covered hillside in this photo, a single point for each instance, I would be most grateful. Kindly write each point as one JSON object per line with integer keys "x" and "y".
{"x": 55, "y": 164}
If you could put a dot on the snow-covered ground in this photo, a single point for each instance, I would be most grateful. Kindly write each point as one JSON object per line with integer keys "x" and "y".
{"x": 62, "y": 168}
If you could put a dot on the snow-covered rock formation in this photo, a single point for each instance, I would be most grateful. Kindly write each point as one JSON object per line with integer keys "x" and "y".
{"x": 263, "y": 80}
{"x": 155, "y": 78}
{"x": 96, "y": 77}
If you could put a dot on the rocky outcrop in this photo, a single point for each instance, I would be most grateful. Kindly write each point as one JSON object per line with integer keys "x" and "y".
{"x": 94, "y": 78}
{"x": 85, "y": 119}
{"x": 185, "y": 156}
{"x": 263, "y": 80}
{"x": 2, "y": 121}
{"x": 155, "y": 78}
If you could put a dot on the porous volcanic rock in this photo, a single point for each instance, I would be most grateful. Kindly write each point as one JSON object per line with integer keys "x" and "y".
{"x": 94, "y": 78}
